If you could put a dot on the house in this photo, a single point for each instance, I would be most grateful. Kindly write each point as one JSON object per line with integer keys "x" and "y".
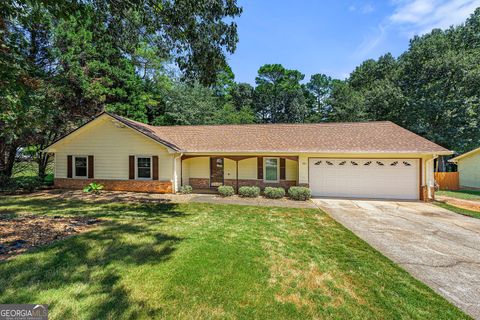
{"x": 468, "y": 165}
{"x": 363, "y": 159}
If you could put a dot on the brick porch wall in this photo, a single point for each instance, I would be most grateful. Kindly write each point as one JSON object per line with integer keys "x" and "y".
{"x": 204, "y": 183}
{"x": 152, "y": 186}
{"x": 259, "y": 183}
{"x": 199, "y": 183}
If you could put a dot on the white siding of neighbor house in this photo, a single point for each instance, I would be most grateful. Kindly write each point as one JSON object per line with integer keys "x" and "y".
{"x": 111, "y": 147}
{"x": 469, "y": 168}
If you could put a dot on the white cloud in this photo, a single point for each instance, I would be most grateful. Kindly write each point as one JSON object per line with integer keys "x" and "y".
{"x": 367, "y": 8}
{"x": 364, "y": 8}
{"x": 421, "y": 16}
{"x": 417, "y": 17}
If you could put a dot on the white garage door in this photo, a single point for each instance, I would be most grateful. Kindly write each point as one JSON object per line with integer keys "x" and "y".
{"x": 365, "y": 178}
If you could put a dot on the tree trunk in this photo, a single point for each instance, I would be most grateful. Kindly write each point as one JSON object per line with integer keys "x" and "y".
{"x": 7, "y": 160}
{"x": 43, "y": 161}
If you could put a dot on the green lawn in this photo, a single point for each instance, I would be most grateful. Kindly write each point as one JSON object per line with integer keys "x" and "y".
{"x": 461, "y": 194}
{"x": 456, "y": 209}
{"x": 194, "y": 261}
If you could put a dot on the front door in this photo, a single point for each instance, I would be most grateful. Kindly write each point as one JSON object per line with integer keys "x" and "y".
{"x": 216, "y": 172}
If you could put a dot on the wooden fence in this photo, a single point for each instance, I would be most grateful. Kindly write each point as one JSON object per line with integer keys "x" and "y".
{"x": 447, "y": 180}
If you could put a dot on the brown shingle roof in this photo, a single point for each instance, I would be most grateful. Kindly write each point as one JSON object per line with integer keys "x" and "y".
{"x": 368, "y": 137}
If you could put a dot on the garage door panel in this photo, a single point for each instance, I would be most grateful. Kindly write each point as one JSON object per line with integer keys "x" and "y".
{"x": 364, "y": 178}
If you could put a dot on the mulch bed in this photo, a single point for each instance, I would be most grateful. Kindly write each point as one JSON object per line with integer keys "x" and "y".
{"x": 20, "y": 233}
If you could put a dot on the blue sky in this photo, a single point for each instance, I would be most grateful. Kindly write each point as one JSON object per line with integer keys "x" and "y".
{"x": 333, "y": 37}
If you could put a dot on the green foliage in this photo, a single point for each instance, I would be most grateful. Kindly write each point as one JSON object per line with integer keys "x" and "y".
{"x": 279, "y": 96}
{"x": 48, "y": 180}
{"x": 249, "y": 192}
{"x": 226, "y": 191}
{"x": 274, "y": 193}
{"x": 61, "y": 63}
{"x": 93, "y": 187}
{"x": 186, "y": 189}
{"x": 228, "y": 115}
{"x": 189, "y": 105}
{"x": 299, "y": 193}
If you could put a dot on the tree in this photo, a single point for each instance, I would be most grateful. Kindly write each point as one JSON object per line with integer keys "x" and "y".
{"x": 346, "y": 104}
{"x": 318, "y": 90}
{"x": 242, "y": 95}
{"x": 63, "y": 62}
{"x": 278, "y": 95}
{"x": 230, "y": 115}
{"x": 189, "y": 105}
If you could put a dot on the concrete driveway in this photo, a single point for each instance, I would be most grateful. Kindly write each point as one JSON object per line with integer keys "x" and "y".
{"x": 438, "y": 247}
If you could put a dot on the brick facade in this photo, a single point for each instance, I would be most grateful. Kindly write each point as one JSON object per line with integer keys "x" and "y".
{"x": 153, "y": 186}
{"x": 199, "y": 183}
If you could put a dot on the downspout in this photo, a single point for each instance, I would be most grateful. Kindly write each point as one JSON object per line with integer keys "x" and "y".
{"x": 175, "y": 172}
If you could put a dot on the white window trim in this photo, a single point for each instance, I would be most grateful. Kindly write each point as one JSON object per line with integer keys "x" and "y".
{"x": 136, "y": 167}
{"x": 265, "y": 170}
{"x": 74, "y": 168}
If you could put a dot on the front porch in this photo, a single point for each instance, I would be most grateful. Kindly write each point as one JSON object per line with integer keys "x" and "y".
{"x": 205, "y": 173}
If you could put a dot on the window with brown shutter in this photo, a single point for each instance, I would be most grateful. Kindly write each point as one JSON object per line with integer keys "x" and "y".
{"x": 282, "y": 168}
{"x": 69, "y": 167}
{"x": 260, "y": 168}
{"x": 131, "y": 167}
{"x": 90, "y": 167}
{"x": 155, "y": 167}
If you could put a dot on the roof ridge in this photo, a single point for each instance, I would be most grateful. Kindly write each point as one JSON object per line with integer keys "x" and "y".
{"x": 254, "y": 124}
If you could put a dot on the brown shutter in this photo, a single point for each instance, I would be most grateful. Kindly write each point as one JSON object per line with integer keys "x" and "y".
{"x": 69, "y": 167}
{"x": 260, "y": 168}
{"x": 90, "y": 167}
{"x": 131, "y": 167}
{"x": 282, "y": 169}
{"x": 155, "y": 168}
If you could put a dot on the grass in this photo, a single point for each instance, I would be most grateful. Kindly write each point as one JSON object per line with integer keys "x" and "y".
{"x": 456, "y": 209}
{"x": 461, "y": 194}
{"x": 193, "y": 261}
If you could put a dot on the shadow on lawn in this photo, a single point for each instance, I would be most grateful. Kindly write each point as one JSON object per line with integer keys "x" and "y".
{"x": 93, "y": 262}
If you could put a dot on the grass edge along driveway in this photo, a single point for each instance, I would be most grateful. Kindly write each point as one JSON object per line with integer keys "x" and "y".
{"x": 190, "y": 261}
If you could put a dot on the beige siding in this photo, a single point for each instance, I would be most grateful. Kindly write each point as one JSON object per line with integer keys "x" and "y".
{"x": 110, "y": 146}
{"x": 247, "y": 169}
{"x": 291, "y": 170}
{"x": 198, "y": 167}
{"x": 469, "y": 168}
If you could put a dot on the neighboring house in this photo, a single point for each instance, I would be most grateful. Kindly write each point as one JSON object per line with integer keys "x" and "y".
{"x": 468, "y": 165}
{"x": 363, "y": 159}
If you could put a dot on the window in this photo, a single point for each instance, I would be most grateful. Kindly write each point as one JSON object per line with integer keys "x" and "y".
{"x": 144, "y": 167}
{"x": 81, "y": 167}
{"x": 271, "y": 169}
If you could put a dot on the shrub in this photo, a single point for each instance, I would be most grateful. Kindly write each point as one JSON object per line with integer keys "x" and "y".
{"x": 93, "y": 187}
{"x": 249, "y": 192}
{"x": 186, "y": 189}
{"x": 27, "y": 184}
{"x": 299, "y": 193}
{"x": 274, "y": 193}
{"x": 226, "y": 191}
{"x": 48, "y": 180}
